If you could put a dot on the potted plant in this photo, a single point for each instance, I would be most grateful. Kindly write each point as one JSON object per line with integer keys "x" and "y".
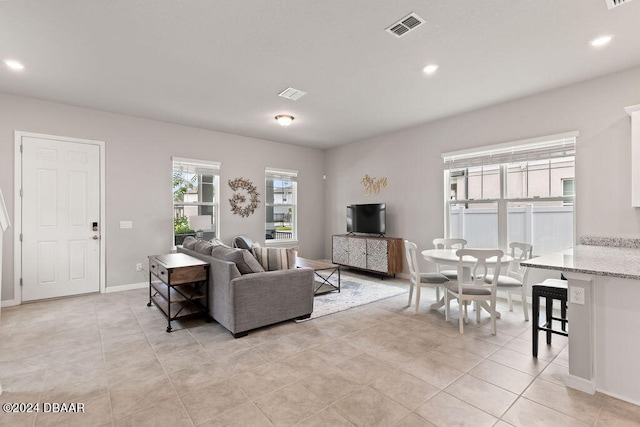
{"x": 181, "y": 229}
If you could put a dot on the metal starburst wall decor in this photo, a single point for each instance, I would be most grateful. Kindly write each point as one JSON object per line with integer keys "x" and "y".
{"x": 238, "y": 199}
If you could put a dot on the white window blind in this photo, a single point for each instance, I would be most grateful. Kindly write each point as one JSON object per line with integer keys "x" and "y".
{"x": 544, "y": 148}
{"x": 198, "y": 167}
{"x": 283, "y": 174}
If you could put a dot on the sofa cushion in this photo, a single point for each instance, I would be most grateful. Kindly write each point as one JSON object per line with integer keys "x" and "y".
{"x": 276, "y": 258}
{"x": 217, "y": 242}
{"x": 203, "y": 247}
{"x": 243, "y": 259}
{"x": 189, "y": 242}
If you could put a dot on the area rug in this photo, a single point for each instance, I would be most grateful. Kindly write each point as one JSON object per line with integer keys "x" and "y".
{"x": 354, "y": 293}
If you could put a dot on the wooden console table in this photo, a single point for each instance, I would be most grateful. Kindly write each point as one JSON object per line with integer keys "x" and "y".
{"x": 179, "y": 286}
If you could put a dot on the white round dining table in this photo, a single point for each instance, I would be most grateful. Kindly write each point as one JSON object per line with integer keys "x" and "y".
{"x": 449, "y": 257}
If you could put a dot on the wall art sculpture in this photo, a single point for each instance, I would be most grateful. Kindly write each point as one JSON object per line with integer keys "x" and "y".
{"x": 238, "y": 200}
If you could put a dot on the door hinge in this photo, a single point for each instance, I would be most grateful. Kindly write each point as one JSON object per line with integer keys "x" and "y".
{"x": 21, "y": 148}
{"x": 21, "y": 192}
{"x": 21, "y": 281}
{"x": 21, "y": 237}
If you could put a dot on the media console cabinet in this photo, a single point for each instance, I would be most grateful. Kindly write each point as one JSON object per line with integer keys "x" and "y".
{"x": 375, "y": 254}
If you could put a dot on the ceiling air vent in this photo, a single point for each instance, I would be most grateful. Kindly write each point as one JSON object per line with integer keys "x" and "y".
{"x": 292, "y": 94}
{"x": 615, "y": 3}
{"x": 406, "y": 24}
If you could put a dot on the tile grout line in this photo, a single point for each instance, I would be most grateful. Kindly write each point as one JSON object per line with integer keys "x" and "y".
{"x": 163, "y": 368}
{"x": 113, "y": 421}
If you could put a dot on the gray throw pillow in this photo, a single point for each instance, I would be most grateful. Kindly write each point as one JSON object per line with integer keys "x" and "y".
{"x": 189, "y": 242}
{"x": 243, "y": 259}
{"x": 217, "y": 242}
{"x": 221, "y": 252}
{"x": 203, "y": 247}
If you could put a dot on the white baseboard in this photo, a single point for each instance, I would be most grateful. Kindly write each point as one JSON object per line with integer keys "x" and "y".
{"x": 10, "y": 303}
{"x": 128, "y": 287}
{"x": 109, "y": 289}
{"x": 581, "y": 384}
{"x": 619, "y": 397}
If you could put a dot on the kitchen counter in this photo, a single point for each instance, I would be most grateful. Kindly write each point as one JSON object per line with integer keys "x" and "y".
{"x": 620, "y": 262}
{"x": 604, "y": 316}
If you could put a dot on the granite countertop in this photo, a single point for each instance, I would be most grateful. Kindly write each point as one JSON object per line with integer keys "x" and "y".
{"x": 621, "y": 262}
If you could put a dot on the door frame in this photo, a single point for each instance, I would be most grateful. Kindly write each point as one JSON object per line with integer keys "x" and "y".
{"x": 17, "y": 243}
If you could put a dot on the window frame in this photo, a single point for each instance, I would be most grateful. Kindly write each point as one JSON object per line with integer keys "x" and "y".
{"x": 504, "y": 155}
{"x": 203, "y": 166}
{"x": 284, "y": 175}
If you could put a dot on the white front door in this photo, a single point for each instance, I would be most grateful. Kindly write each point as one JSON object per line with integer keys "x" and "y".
{"x": 60, "y": 207}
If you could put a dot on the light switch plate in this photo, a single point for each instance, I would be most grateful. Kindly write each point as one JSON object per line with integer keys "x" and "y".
{"x": 126, "y": 224}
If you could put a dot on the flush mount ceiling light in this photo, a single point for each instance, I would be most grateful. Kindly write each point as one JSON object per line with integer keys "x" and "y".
{"x": 284, "y": 119}
{"x": 601, "y": 41}
{"x": 13, "y": 64}
{"x": 430, "y": 69}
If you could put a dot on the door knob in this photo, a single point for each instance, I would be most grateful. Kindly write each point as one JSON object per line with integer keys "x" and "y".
{"x": 95, "y": 237}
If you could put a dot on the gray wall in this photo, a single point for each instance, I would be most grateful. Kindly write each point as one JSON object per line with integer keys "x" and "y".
{"x": 138, "y": 157}
{"x": 411, "y": 161}
{"x": 138, "y": 179}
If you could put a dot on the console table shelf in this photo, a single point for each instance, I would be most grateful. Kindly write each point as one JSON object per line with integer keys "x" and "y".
{"x": 376, "y": 254}
{"x": 179, "y": 293}
{"x": 179, "y": 286}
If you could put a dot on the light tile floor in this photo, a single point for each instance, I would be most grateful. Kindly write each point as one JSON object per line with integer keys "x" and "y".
{"x": 378, "y": 364}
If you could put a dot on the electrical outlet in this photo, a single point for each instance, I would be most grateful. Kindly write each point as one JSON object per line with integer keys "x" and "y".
{"x": 576, "y": 295}
{"x": 139, "y": 266}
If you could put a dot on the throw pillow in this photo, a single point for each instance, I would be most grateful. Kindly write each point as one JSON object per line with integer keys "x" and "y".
{"x": 189, "y": 242}
{"x": 276, "y": 258}
{"x": 217, "y": 242}
{"x": 242, "y": 242}
{"x": 243, "y": 259}
{"x": 203, "y": 247}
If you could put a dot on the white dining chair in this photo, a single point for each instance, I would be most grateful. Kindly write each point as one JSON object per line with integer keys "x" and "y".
{"x": 443, "y": 243}
{"x": 417, "y": 279}
{"x": 474, "y": 289}
{"x": 516, "y": 277}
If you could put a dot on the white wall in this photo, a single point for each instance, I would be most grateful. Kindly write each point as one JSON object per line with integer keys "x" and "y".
{"x": 411, "y": 161}
{"x": 138, "y": 179}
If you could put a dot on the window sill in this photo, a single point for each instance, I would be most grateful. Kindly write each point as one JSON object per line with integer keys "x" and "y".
{"x": 274, "y": 242}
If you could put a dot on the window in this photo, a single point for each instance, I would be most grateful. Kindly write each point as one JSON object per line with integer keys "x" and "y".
{"x": 522, "y": 191}
{"x": 195, "y": 199}
{"x": 568, "y": 188}
{"x": 280, "y": 204}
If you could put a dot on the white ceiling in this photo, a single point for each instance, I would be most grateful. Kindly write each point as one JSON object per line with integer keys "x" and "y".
{"x": 219, "y": 64}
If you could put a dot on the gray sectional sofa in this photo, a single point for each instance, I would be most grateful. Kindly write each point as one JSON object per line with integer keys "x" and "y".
{"x": 243, "y": 296}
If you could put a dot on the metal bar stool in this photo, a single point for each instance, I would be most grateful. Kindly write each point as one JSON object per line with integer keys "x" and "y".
{"x": 550, "y": 289}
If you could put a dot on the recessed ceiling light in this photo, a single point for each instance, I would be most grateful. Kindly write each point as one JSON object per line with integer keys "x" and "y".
{"x": 13, "y": 64}
{"x": 430, "y": 69}
{"x": 601, "y": 41}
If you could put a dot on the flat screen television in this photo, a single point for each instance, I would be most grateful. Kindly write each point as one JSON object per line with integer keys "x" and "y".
{"x": 370, "y": 218}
